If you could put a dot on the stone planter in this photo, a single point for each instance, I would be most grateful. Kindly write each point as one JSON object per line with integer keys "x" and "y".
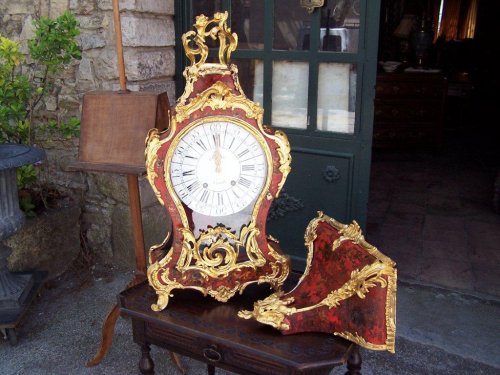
{"x": 16, "y": 290}
{"x": 11, "y": 157}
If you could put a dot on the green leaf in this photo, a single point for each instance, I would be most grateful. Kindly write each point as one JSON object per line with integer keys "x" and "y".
{"x": 26, "y": 175}
{"x": 27, "y": 206}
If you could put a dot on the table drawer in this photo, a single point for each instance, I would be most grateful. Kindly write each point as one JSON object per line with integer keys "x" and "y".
{"x": 239, "y": 359}
{"x": 211, "y": 332}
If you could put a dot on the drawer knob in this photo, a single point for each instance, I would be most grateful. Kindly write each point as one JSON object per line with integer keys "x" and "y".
{"x": 212, "y": 355}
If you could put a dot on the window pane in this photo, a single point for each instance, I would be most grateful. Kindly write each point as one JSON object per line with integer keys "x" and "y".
{"x": 340, "y": 26}
{"x": 336, "y": 97}
{"x": 290, "y": 85}
{"x": 248, "y": 22}
{"x": 250, "y": 74}
{"x": 292, "y": 25}
{"x": 208, "y": 8}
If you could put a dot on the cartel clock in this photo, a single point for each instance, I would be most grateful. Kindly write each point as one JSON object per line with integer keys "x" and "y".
{"x": 216, "y": 169}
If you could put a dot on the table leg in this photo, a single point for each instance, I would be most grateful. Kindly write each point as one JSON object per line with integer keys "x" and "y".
{"x": 107, "y": 336}
{"x": 146, "y": 364}
{"x": 210, "y": 369}
{"x": 177, "y": 361}
{"x": 108, "y": 328}
{"x": 354, "y": 362}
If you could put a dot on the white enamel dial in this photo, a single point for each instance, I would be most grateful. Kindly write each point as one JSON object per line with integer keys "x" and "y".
{"x": 218, "y": 168}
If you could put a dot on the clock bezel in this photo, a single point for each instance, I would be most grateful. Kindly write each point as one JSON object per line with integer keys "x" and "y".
{"x": 182, "y": 207}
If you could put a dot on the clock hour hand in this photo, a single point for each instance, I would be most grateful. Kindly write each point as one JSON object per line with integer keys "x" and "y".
{"x": 217, "y": 160}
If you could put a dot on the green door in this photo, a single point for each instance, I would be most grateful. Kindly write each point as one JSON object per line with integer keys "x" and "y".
{"x": 313, "y": 70}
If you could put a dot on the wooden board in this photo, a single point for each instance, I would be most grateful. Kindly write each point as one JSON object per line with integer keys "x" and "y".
{"x": 114, "y": 127}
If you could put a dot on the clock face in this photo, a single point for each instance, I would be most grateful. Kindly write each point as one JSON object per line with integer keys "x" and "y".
{"x": 218, "y": 168}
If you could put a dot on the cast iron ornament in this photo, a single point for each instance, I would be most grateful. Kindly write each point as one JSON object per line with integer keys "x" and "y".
{"x": 331, "y": 173}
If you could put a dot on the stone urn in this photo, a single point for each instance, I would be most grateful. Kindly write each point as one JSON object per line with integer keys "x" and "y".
{"x": 16, "y": 289}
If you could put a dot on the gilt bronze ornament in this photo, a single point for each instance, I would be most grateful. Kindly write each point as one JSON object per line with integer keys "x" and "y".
{"x": 216, "y": 169}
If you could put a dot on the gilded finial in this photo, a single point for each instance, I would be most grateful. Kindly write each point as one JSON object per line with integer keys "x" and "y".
{"x": 219, "y": 30}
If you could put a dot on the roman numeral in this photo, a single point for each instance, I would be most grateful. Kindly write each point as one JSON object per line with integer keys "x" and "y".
{"x": 248, "y": 167}
{"x": 243, "y": 181}
{"x": 194, "y": 186}
{"x": 204, "y": 196}
{"x": 243, "y": 153}
{"x": 188, "y": 173}
{"x": 220, "y": 199}
{"x": 216, "y": 139}
{"x": 231, "y": 145}
{"x": 202, "y": 145}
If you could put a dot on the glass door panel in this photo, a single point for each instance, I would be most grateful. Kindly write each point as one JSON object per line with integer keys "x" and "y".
{"x": 208, "y": 8}
{"x": 250, "y": 74}
{"x": 339, "y": 31}
{"x": 289, "y": 99}
{"x": 247, "y": 22}
{"x": 292, "y": 26}
{"x": 336, "y": 97}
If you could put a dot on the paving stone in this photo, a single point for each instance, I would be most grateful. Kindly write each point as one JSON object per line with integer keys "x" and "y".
{"x": 398, "y": 218}
{"x": 443, "y": 250}
{"x": 451, "y": 274}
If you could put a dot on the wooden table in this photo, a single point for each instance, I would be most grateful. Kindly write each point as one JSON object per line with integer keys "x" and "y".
{"x": 209, "y": 331}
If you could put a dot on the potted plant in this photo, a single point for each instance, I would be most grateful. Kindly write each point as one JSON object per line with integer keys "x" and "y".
{"x": 25, "y": 79}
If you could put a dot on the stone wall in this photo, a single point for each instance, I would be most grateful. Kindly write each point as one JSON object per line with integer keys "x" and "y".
{"x": 148, "y": 41}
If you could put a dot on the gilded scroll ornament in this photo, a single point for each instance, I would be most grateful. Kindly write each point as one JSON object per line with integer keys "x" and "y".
{"x": 219, "y": 30}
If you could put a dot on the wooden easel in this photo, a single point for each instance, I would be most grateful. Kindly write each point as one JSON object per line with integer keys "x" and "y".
{"x": 112, "y": 140}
